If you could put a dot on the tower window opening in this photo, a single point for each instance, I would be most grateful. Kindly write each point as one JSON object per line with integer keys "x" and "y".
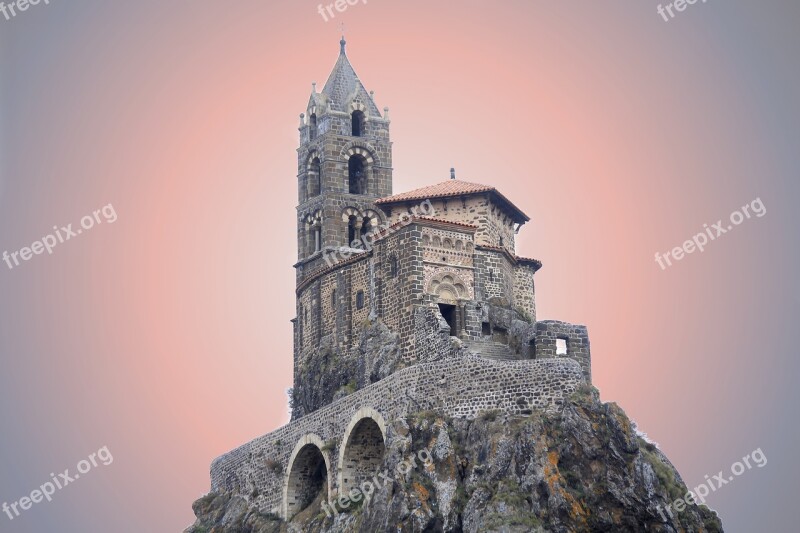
{"x": 312, "y": 126}
{"x": 366, "y": 226}
{"x": 315, "y": 177}
{"x": 358, "y": 123}
{"x": 317, "y": 239}
{"x": 393, "y": 266}
{"x": 357, "y": 175}
{"x": 351, "y": 231}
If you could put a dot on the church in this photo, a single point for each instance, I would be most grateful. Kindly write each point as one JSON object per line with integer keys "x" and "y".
{"x": 457, "y": 256}
{"x": 407, "y": 303}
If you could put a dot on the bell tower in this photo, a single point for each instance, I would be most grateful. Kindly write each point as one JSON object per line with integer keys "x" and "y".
{"x": 344, "y": 165}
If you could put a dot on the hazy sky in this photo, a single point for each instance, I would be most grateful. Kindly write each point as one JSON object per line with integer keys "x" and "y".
{"x": 165, "y": 335}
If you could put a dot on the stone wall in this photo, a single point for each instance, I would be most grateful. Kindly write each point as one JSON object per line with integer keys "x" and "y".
{"x": 459, "y": 387}
{"x": 492, "y": 224}
{"x": 577, "y": 342}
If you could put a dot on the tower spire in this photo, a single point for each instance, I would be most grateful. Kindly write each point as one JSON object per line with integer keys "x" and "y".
{"x": 342, "y": 43}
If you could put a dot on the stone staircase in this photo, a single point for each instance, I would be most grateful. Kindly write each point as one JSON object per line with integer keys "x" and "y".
{"x": 491, "y": 350}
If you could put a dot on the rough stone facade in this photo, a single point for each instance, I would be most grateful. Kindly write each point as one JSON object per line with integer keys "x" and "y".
{"x": 575, "y": 340}
{"x": 405, "y": 303}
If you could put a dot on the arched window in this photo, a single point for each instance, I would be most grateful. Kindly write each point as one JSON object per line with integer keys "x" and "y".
{"x": 358, "y": 123}
{"x": 314, "y": 177}
{"x": 312, "y": 126}
{"x": 357, "y": 175}
{"x": 366, "y": 226}
{"x": 351, "y": 230}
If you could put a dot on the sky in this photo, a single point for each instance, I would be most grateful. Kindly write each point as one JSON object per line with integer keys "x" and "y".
{"x": 161, "y": 333}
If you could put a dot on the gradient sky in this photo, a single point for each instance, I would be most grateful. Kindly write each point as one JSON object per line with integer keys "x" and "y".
{"x": 165, "y": 335}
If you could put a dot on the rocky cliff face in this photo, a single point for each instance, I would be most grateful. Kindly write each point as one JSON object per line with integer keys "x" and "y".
{"x": 581, "y": 469}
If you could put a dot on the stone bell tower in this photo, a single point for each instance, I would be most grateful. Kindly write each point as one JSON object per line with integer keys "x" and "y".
{"x": 344, "y": 165}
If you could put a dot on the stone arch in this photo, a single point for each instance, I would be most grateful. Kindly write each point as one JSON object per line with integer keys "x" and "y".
{"x": 362, "y": 148}
{"x": 307, "y": 475}
{"x": 449, "y": 287}
{"x": 362, "y": 449}
{"x": 352, "y": 218}
{"x": 373, "y": 216}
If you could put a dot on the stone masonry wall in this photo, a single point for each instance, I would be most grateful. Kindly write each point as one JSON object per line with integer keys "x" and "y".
{"x": 577, "y": 340}
{"x": 524, "y": 289}
{"x": 457, "y": 387}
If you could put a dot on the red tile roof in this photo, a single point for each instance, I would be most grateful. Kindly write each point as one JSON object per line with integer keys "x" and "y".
{"x": 439, "y": 190}
{"x": 451, "y": 188}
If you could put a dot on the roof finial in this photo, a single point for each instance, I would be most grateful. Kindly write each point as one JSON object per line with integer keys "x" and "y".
{"x": 342, "y": 43}
{"x": 452, "y": 173}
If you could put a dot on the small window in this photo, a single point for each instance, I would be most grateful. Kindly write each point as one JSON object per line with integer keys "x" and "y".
{"x": 358, "y": 123}
{"x": 393, "y": 266}
{"x": 312, "y": 126}
{"x": 360, "y": 300}
{"x": 561, "y": 346}
{"x": 333, "y": 299}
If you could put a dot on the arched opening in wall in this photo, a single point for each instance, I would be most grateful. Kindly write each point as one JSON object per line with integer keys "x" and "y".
{"x": 314, "y": 177}
{"x": 308, "y": 481}
{"x": 366, "y": 226}
{"x": 312, "y": 126}
{"x": 357, "y": 174}
{"x": 358, "y": 123}
{"x": 352, "y": 230}
{"x": 363, "y": 454}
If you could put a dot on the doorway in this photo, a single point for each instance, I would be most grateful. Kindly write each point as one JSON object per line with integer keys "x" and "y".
{"x": 449, "y": 314}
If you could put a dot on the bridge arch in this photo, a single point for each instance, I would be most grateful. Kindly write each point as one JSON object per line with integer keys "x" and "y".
{"x": 306, "y": 476}
{"x": 362, "y": 450}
